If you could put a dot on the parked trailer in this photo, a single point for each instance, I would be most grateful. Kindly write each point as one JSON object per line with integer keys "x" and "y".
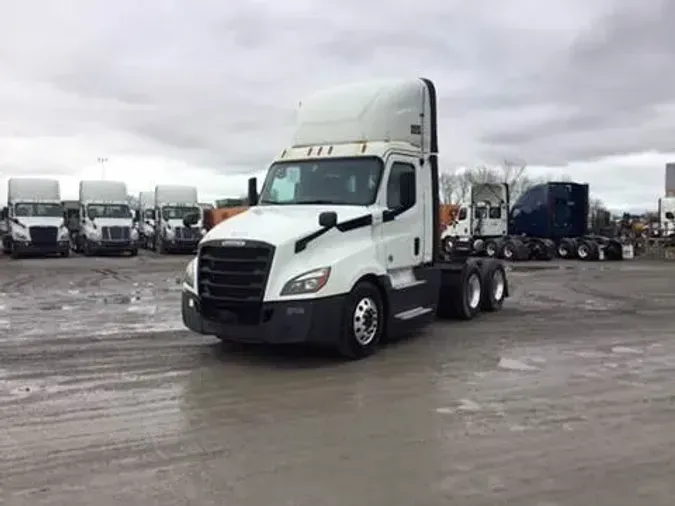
{"x": 33, "y": 218}
{"x": 549, "y": 219}
{"x": 342, "y": 246}
{"x": 106, "y": 221}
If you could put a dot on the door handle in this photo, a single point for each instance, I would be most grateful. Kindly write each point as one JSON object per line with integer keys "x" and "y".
{"x": 417, "y": 246}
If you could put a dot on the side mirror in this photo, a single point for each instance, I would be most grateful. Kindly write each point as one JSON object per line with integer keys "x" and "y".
{"x": 4, "y": 213}
{"x": 670, "y": 216}
{"x": 328, "y": 219}
{"x": 253, "y": 191}
{"x": 407, "y": 189}
{"x": 190, "y": 220}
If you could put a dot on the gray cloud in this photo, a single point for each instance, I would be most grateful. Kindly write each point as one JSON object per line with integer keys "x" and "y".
{"x": 215, "y": 85}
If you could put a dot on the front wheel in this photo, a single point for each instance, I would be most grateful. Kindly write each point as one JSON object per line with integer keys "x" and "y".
{"x": 363, "y": 321}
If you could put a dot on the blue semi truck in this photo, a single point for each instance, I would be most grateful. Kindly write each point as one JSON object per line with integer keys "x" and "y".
{"x": 547, "y": 220}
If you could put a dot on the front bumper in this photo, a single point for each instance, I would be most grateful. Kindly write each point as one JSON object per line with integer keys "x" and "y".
{"x": 317, "y": 321}
{"x": 113, "y": 246}
{"x": 29, "y": 248}
{"x": 179, "y": 246}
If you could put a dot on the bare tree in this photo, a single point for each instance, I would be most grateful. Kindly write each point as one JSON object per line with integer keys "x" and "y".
{"x": 455, "y": 186}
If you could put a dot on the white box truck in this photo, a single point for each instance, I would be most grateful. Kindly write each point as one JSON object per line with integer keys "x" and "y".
{"x": 342, "y": 246}
{"x": 145, "y": 219}
{"x": 34, "y": 218}
{"x": 172, "y": 204}
{"x": 106, "y": 221}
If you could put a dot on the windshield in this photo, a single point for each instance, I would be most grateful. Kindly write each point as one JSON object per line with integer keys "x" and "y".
{"x": 148, "y": 214}
{"x": 109, "y": 210}
{"x": 343, "y": 181}
{"x": 178, "y": 212}
{"x": 28, "y": 209}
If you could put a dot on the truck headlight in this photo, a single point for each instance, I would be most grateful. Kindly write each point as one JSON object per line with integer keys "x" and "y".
{"x": 309, "y": 282}
{"x": 20, "y": 234}
{"x": 95, "y": 234}
{"x": 134, "y": 234}
{"x": 168, "y": 233}
{"x": 63, "y": 234}
{"x": 190, "y": 274}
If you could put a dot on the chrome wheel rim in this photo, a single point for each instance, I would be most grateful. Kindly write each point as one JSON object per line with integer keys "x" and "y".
{"x": 473, "y": 291}
{"x": 583, "y": 251}
{"x": 365, "y": 321}
{"x": 498, "y": 285}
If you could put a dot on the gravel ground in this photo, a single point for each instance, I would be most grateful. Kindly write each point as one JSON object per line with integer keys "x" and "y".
{"x": 566, "y": 397}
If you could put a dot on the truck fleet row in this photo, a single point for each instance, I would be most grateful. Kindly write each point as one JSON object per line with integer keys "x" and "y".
{"x": 547, "y": 220}
{"x": 37, "y": 221}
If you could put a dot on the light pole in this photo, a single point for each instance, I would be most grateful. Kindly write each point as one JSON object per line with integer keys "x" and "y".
{"x": 102, "y": 161}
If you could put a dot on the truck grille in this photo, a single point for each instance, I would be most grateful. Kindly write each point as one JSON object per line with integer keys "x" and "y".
{"x": 232, "y": 281}
{"x": 187, "y": 234}
{"x": 43, "y": 235}
{"x": 116, "y": 233}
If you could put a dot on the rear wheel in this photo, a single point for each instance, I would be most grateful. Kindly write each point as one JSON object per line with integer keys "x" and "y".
{"x": 494, "y": 288}
{"x": 587, "y": 250}
{"x": 491, "y": 249}
{"x": 363, "y": 321}
{"x": 566, "y": 249}
{"x": 461, "y": 298}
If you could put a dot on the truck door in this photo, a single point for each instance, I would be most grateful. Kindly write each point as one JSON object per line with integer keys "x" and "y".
{"x": 403, "y": 228}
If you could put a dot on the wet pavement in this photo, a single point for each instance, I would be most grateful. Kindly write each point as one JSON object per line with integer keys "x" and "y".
{"x": 566, "y": 397}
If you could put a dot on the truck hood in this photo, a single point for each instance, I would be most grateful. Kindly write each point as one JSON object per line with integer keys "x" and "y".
{"x": 113, "y": 222}
{"x": 279, "y": 224}
{"x": 40, "y": 221}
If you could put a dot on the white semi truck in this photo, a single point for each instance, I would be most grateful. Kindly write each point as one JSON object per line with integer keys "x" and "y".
{"x": 106, "y": 221}
{"x": 34, "y": 218}
{"x": 342, "y": 246}
{"x": 172, "y": 204}
{"x": 145, "y": 219}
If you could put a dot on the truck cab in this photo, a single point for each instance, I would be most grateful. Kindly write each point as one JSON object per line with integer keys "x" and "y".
{"x": 172, "y": 204}
{"x": 106, "y": 220}
{"x": 34, "y": 218}
{"x": 341, "y": 247}
{"x": 482, "y": 219}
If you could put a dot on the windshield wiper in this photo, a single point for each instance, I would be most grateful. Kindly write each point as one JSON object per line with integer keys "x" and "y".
{"x": 319, "y": 202}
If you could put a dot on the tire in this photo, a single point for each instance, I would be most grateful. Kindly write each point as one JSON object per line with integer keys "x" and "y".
{"x": 491, "y": 249}
{"x": 587, "y": 250}
{"x": 494, "y": 288}
{"x": 566, "y": 249}
{"x": 548, "y": 249}
{"x": 460, "y": 300}
{"x": 513, "y": 251}
{"x": 65, "y": 254}
{"x": 134, "y": 252}
{"x": 363, "y": 321}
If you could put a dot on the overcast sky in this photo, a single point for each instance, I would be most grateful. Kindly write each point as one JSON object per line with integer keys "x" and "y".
{"x": 205, "y": 91}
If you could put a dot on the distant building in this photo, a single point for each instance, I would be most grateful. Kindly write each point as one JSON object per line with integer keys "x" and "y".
{"x": 670, "y": 179}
